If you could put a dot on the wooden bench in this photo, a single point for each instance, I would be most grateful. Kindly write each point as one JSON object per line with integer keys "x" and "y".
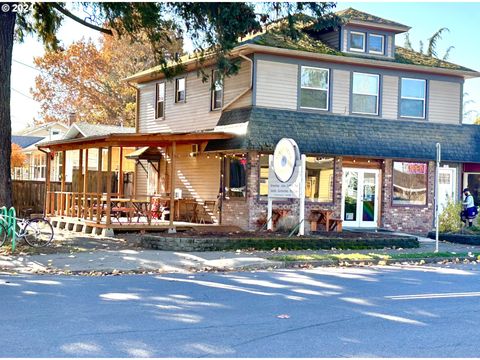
{"x": 334, "y": 224}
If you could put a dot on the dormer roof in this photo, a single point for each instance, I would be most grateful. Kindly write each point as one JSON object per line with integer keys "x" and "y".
{"x": 355, "y": 17}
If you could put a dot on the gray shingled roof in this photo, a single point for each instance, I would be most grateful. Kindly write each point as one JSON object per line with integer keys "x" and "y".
{"x": 100, "y": 130}
{"x": 25, "y": 141}
{"x": 350, "y": 135}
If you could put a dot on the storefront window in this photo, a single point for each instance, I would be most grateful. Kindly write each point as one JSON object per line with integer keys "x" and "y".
{"x": 409, "y": 183}
{"x": 473, "y": 184}
{"x": 318, "y": 178}
{"x": 235, "y": 176}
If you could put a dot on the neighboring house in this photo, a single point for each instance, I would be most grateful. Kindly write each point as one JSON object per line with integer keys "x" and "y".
{"x": 35, "y": 165}
{"x": 366, "y": 112}
{"x": 51, "y": 131}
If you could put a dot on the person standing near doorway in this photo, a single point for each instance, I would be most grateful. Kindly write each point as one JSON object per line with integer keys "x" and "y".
{"x": 470, "y": 210}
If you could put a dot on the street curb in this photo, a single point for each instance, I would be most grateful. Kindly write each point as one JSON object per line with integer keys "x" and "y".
{"x": 402, "y": 261}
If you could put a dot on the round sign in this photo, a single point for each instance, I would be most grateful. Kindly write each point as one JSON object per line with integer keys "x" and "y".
{"x": 284, "y": 159}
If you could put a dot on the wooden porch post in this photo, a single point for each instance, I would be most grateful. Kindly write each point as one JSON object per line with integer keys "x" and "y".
{"x": 78, "y": 197}
{"x": 46, "y": 209}
{"x": 171, "y": 228}
{"x": 62, "y": 187}
{"x": 120, "y": 172}
{"x": 85, "y": 186}
{"x": 109, "y": 184}
{"x": 99, "y": 186}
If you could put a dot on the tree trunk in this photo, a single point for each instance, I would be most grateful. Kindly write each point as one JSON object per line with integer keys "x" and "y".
{"x": 7, "y": 27}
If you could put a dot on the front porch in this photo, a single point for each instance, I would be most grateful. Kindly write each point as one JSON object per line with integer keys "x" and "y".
{"x": 101, "y": 206}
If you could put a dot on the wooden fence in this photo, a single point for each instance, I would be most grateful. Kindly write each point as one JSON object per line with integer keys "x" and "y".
{"x": 30, "y": 194}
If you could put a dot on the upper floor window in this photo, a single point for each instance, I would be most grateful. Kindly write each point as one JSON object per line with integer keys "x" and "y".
{"x": 314, "y": 88}
{"x": 180, "y": 90}
{"x": 365, "y": 90}
{"x": 160, "y": 101}
{"x": 217, "y": 90}
{"x": 376, "y": 44}
{"x": 357, "y": 41}
{"x": 412, "y": 99}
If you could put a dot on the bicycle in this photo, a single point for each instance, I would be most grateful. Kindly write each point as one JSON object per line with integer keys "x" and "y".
{"x": 37, "y": 232}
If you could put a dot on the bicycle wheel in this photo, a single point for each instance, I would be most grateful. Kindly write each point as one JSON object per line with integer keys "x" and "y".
{"x": 38, "y": 232}
{"x": 3, "y": 234}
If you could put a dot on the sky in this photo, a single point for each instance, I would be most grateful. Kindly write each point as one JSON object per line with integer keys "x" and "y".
{"x": 461, "y": 18}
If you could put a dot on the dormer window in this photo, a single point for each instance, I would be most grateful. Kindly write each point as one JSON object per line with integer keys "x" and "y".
{"x": 376, "y": 44}
{"x": 357, "y": 41}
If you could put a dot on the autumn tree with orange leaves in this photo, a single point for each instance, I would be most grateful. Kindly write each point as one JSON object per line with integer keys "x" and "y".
{"x": 87, "y": 79}
{"x": 18, "y": 158}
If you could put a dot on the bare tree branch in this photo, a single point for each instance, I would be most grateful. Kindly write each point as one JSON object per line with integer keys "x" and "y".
{"x": 83, "y": 22}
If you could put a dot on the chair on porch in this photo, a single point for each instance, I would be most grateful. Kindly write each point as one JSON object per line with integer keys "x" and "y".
{"x": 207, "y": 212}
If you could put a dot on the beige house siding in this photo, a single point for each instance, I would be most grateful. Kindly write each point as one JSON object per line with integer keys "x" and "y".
{"x": 340, "y": 91}
{"x": 390, "y": 97}
{"x": 195, "y": 114}
{"x": 199, "y": 176}
{"x": 141, "y": 181}
{"x": 444, "y": 102}
{"x": 390, "y": 46}
{"x": 276, "y": 84}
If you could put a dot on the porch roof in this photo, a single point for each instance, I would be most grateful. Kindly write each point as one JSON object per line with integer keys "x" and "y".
{"x": 134, "y": 140}
{"x": 350, "y": 135}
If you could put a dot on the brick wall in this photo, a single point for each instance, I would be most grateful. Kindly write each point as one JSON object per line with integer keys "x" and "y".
{"x": 258, "y": 206}
{"x": 417, "y": 219}
{"x": 246, "y": 213}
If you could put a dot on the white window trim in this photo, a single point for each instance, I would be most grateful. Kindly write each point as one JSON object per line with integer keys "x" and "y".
{"x": 364, "y": 41}
{"x": 359, "y": 93}
{"x": 184, "y": 90}
{"x": 327, "y": 89}
{"x": 157, "y": 98}
{"x": 383, "y": 44}
{"x": 414, "y": 98}
{"x": 212, "y": 93}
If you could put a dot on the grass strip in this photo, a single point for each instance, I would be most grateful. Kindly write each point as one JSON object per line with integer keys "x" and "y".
{"x": 371, "y": 256}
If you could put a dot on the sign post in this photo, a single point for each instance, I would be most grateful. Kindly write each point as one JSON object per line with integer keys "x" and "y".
{"x": 437, "y": 170}
{"x": 286, "y": 179}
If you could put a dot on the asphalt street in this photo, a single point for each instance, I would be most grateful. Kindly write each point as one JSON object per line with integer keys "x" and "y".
{"x": 323, "y": 312}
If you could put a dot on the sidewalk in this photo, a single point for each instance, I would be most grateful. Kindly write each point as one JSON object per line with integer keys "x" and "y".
{"x": 117, "y": 255}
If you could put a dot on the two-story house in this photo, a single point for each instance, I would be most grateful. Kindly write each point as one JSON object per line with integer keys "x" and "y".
{"x": 366, "y": 112}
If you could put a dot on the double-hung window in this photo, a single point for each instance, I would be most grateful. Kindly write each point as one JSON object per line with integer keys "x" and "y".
{"x": 314, "y": 88}
{"x": 365, "y": 93}
{"x": 180, "y": 90}
{"x": 217, "y": 90}
{"x": 160, "y": 101}
{"x": 376, "y": 44}
{"x": 357, "y": 41}
{"x": 412, "y": 99}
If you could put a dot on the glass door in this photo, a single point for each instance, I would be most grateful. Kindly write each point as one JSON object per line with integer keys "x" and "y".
{"x": 360, "y": 197}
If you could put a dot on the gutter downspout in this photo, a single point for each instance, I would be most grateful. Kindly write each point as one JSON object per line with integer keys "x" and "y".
{"x": 246, "y": 90}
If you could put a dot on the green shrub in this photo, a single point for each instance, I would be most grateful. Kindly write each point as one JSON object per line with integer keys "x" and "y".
{"x": 449, "y": 219}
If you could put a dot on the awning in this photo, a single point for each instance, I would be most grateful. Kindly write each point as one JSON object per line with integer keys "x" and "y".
{"x": 135, "y": 140}
{"x": 146, "y": 153}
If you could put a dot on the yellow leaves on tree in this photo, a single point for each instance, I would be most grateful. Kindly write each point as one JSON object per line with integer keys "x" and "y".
{"x": 18, "y": 158}
{"x": 87, "y": 79}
